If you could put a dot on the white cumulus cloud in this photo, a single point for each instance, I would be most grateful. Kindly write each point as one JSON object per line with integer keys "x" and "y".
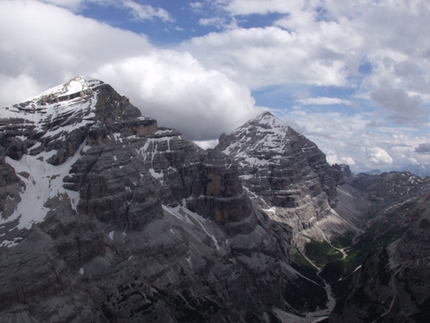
{"x": 176, "y": 90}
{"x": 258, "y": 57}
{"x": 145, "y": 12}
{"x": 379, "y": 156}
{"x": 323, "y": 101}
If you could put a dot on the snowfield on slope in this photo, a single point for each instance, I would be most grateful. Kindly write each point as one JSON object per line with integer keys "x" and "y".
{"x": 43, "y": 182}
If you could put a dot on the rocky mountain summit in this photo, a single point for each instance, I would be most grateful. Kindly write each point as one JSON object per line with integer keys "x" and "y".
{"x": 108, "y": 217}
{"x": 288, "y": 177}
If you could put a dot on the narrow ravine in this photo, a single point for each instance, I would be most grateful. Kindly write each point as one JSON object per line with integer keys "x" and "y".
{"x": 318, "y": 316}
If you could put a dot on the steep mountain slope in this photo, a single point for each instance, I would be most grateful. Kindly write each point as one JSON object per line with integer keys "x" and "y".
{"x": 383, "y": 276}
{"x": 107, "y": 217}
{"x": 288, "y": 176}
{"x": 391, "y": 282}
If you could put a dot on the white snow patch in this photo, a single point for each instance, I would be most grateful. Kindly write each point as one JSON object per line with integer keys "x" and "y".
{"x": 9, "y": 243}
{"x": 42, "y": 182}
{"x": 188, "y": 216}
{"x": 75, "y": 85}
{"x": 156, "y": 175}
{"x": 163, "y": 132}
{"x": 111, "y": 234}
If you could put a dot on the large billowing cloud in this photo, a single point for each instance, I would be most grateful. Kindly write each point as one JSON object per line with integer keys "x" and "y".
{"x": 259, "y": 57}
{"x": 404, "y": 108}
{"x": 379, "y": 156}
{"x": 176, "y": 90}
{"x": 51, "y": 45}
{"x": 42, "y": 45}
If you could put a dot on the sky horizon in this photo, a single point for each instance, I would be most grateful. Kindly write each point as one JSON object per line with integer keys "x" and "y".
{"x": 352, "y": 76}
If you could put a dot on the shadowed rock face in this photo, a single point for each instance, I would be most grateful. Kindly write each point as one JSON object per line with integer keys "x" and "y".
{"x": 10, "y": 185}
{"x": 221, "y": 196}
{"x": 114, "y": 219}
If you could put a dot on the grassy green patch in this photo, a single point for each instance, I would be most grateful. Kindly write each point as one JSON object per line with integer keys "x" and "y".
{"x": 303, "y": 266}
{"x": 341, "y": 242}
{"x": 321, "y": 253}
{"x": 301, "y": 260}
{"x": 380, "y": 234}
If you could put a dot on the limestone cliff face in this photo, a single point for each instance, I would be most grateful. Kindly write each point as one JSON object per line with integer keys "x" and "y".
{"x": 220, "y": 196}
{"x": 287, "y": 175}
{"x": 108, "y": 217}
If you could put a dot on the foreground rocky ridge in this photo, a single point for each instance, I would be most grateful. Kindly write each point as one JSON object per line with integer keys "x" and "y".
{"x": 108, "y": 217}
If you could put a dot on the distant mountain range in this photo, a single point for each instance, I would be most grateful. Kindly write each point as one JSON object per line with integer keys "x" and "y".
{"x": 108, "y": 217}
{"x": 417, "y": 169}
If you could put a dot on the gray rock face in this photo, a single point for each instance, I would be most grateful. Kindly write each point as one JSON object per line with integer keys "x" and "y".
{"x": 112, "y": 218}
{"x": 10, "y": 185}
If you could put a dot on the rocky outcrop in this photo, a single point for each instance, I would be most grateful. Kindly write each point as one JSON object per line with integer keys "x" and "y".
{"x": 107, "y": 217}
{"x": 10, "y": 187}
{"x": 218, "y": 194}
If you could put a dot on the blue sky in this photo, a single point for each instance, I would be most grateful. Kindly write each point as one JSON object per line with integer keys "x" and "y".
{"x": 351, "y": 75}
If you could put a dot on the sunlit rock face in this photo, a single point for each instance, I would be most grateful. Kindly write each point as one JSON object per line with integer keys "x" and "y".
{"x": 287, "y": 175}
{"x": 106, "y": 216}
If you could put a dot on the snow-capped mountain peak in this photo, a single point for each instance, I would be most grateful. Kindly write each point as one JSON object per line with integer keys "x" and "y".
{"x": 264, "y": 122}
{"x": 44, "y": 136}
{"x": 77, "y": 86}
{"x": 264, "y": 135}
{"x": 76, "y": 96}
